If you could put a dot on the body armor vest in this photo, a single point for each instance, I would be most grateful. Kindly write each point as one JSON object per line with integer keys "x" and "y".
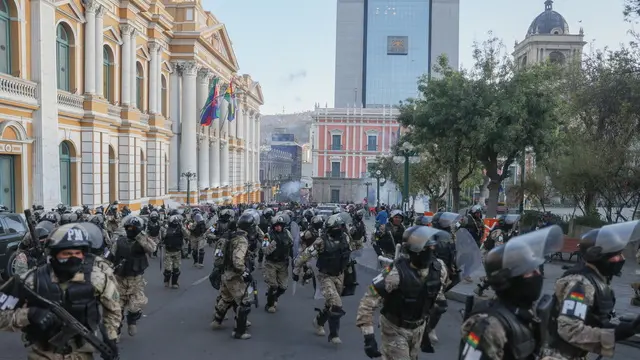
{"x": 199, "y": 229}
{"x": 309, "y": 240}
{"x": 78, "y": 299}
{"x": 222, "y": 228}
{"x": 264, "y": 224}
{"x": 446, "y": 251}
{"x": 599, "y": 315}
{"x": 335, "y": 257}
{"x": 130, "y": 258}
{"x": 389, "y": 239}
{"x": 521, "y": 340}
{"x": 360, "y": 231}
{"x": 153, "y": 228}
{"x": 283, "y": 249}
{"x": 409, "y": 304}
{"x": 174, "y": 238}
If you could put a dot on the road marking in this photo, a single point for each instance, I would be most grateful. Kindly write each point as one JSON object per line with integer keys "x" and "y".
{"x": 200, "y": 281}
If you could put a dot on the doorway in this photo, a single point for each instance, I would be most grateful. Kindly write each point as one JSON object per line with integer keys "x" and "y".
{"x": 65, "y": 173}
{"x": 7, "y": 182}
{"x": 335, "y": 196}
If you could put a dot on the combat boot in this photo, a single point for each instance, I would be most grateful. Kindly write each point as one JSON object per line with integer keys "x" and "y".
{"x": 174, "y": 279}
{"x": 270, "y": 306}
{"x": 320, "y": 320}
{"x": 132, "y": 322}
{"x": 433, "y": 337}
{"x": 167, "y": 277}
{"x": 334, "y": 324}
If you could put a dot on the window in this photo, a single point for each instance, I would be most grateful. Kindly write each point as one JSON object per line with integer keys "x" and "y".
{"x": 5, "y": 38}
{"x": 335, "y": 196}
{"x": 163, "y": 95}
{"x": 188, "y": 14}
{"x": 139, "y": 86}
{"x": 64, "y": 59}
{"x": 107, "y": 72}
{"x": 372, "y": 142}
{"x": 14, "y": 224}
{"x": 335, "y": 169}
{"x": 336, "y": 142}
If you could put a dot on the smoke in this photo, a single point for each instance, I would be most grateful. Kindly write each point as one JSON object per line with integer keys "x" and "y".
{"x": 291, "y": 190}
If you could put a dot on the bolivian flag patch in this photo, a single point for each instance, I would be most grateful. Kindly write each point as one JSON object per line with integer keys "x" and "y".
{"x": 473, "y": 340}
{"x": 372, "y": 290}
{"x": 576, "y": 296}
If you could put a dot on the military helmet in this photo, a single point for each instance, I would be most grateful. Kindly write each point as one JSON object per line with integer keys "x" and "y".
{"x": 395, "y": 213}
{"x": 423, "y": 220}
{"x": 198, "y": 218}
{"x": 44, "y": 229}
{"x": 445, "y": 220}
{"x": 334, "y": 221}
{"x": 608, "y": 241}
{"x": 68, "y": 218}
{"x": 69, "y": 236}
{"x": 336, "y": 210}
{"x": 417, "y": 238}
{"x": 175, "y": 220}
{"x": 268, "y": 212}
{"x": 278, "y": 220}
{"x": 246, "y": 222}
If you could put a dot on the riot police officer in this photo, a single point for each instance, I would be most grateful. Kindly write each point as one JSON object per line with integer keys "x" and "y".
{"x": 390, "y": 234}
{"x": 277, "y": 249}
{"x": 474, "y": 223}
{"x": 508, "y": 327}
{"x": 153, "y": 227}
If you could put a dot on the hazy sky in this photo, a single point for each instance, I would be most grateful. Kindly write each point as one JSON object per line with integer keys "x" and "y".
{"x": 289, "y": 45}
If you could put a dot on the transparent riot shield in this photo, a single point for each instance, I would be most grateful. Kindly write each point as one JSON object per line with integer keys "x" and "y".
{"x": 468, "y": 257}
{"x": 295, "y": 234}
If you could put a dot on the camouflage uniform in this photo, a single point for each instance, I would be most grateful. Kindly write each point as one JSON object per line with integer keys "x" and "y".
{"x": 396, "y": 342}
{"x": 172, "y": 260}
{"x": 106, "y": 292}
{"x": 494, "y": 336}
{"x": 573, "y": 329}
{"x": 112, "y": 223}
{"x": 331, "y": 286}
{"x": 197, "y": 244}
{"x": 635, "y": 300}
{"x": 276, "y": 273}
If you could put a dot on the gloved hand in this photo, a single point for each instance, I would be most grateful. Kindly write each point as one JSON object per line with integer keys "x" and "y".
{"x": 295, "y": 277}
{"x": 626, "y": 329}
{"x": 113, "y": 345}
{"x": 44, "y": 319}
{"x": 371, "y": 346}
{"x": 246, "y": 276}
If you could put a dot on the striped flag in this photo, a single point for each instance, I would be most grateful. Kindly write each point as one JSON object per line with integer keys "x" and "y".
{"x": 210, "y": 112}
{"x": 230, "y": 96}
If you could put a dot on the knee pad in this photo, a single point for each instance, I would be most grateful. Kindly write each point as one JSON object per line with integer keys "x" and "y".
{"x": 441, "y": 306}
{"x": 166, "y": 273}
{"x": 133, "y": 317}
{"x": 280, "y": 291}
{"x": 241, "y": 319}
{"x": 176, "y": 272}
{"x": 336, "y": 312}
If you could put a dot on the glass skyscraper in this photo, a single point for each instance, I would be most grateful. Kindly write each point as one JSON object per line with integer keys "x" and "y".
{"x": 396, "y": 49}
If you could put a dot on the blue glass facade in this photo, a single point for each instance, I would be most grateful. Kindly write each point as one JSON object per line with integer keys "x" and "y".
{"x": 396, "y": 54}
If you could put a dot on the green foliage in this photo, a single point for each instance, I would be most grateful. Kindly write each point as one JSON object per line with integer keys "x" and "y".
{"x": 592, "y": 220}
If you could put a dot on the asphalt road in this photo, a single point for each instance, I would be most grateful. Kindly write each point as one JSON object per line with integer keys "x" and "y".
{"x": 176, "y": 326}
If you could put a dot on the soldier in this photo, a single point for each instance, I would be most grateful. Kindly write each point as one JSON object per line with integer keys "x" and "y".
{"x": 153, "y": 230}
{"x": 88, "y": 285}
{"x": 278, "y": 250}
{"x": 407, "y": 291}
{"x": 99, "y": 220}
{"x": 130, "y": 260}
{"x": 333, "y": 253}
{"x": 235, "y": 279}
{"x": 305, "y": 222}
{"x": 173, "y": 237}
{"x": 197, "y": 239}
{"x": 389, "y": 234}
{"x": 358, "y": 230}
{"x": 265, "y": 224}
{"x": 312, "y": 233}
{"x": 446, "y": 250}
{"x": 113, "y": 218}
{"x": 584, "y": 300}
{"x": 474, "y": 224}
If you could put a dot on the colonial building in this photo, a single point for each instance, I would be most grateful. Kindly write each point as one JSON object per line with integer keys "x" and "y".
{"x": 344, "y": 143}
{"x": 100, "y": 100}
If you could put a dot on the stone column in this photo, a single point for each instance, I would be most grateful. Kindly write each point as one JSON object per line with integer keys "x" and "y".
{"x": 46, "y": 189}
{"x": 90, "y": 8}
{"x": 256, "y": 145}
{"x": 154, "y": 85}
{"x": 214, "y": 162}
{"x": 133, "y": 100}
{"x": 99, "y": 44}
{"x": 174, "y": 145}
{"x": 125, "y": 96}
{"x": 201, "y": 98}
{"x": 188, "y": 141}
{"x": 159, "y": 72}
{"x": 224, "y": 163}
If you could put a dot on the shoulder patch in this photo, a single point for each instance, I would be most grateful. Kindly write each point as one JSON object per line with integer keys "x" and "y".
{"x": 471, "y": 349}
{"x": 574, "y": 305}
{"x": 377, "y": 284}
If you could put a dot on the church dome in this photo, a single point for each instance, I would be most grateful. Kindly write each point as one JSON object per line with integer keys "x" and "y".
{"x": 549, "y": 22}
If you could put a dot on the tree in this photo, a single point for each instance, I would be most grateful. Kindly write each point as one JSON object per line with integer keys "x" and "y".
{"x": 631, "y": 9}
{"x": 537, "y": 188}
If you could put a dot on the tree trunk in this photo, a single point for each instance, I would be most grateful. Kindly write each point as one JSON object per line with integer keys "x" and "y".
{"x": 455, "y": 197}
{"x": 433, "y": 204}
{"x": 492, "y": 201}
{"x": 590, "y": 204}
{"x": 484, "y": 191}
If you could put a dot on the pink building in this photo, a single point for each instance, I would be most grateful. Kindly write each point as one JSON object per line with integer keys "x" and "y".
{"x": 344, "y": 141}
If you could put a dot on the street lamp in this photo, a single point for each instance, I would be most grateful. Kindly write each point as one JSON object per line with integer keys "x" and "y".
{"x": 248, "y": 185}
{"x": 366, "y": 196}
{"x": 189, "y": 175}
{"x": 379, "y": 179}
{"x": 407, "y": 155}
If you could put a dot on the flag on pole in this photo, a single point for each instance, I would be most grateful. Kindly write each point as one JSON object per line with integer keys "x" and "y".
{"x": 230, "y": 96}
{"x": 210, "y": 111}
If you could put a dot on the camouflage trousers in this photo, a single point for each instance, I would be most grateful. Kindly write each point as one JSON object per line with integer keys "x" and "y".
{"x": 111, "y": 226}
{"x": 399, "y": 343}
{"x": 276, "y": 274}
{"x": 131, "y": 291}
{"x": 551, "y": 354}
{"x": 232, "y": 291}
{"x": 331, "y": 288}
{"x": 37, "y": 354}
{"x": 172, "y": 260}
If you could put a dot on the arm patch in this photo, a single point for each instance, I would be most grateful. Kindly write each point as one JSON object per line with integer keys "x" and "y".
{"x": 574, "y": 305}
{"x": 472, "y": 343}
{"x": 378, "y": 283}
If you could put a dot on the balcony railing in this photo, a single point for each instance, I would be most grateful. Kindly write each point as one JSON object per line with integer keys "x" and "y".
{"x": 371, "y": 148}
{"x": 336, "y": 147}
{"x": 114, "y": 110}
{"x": 13, "y": 88}
{"x": 335, "y": 174}
{"x": 70, "y": 100}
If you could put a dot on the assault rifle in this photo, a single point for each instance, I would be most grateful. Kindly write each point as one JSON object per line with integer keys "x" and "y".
{"x": 71, "y": 327}
{"x": 32, "y": 231}
{"x": 252, "y": 289}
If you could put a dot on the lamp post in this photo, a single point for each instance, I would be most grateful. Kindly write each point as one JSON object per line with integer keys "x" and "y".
{"x": 247, "y": 185}
{"x": 379, "y": 179}
{"x": 407, "y": 155}
{"x": 366, "y": 196}
{"x": 189, "y": 175}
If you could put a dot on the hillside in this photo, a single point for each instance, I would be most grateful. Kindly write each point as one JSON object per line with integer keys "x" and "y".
{"x": 297, "y": 124}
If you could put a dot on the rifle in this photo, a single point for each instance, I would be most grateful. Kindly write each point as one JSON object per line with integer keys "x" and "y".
{"x": 252, "y": 288}
{"x": 543, "y": 312}
{"x": 32, "y": 230}
{"x": 71, "y": 327}
{"x": 468, "y": 307}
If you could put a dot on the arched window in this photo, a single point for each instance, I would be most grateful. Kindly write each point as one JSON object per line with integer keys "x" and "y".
{"x": 63, "y": 57}
{"x": 107, "y": 74}
{"x": 139, "y": 86}
{"x": 163, "y": 96}
{"x": 5, "y": 38}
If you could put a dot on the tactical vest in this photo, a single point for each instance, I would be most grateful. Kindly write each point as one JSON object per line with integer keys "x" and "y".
{"x": 283, "y": 247}
{"x": 78, "y": 299}
{"x": 521, "y": 340}
{"x": 228, "y": 251}
{"x": 360, "y": 231}
{"x": 308, "y": 241}
{"x": 264, "y": 224}
{"x": 174, "y": 238}
{"x": 598, "y": 316}
{"x": 335, "y": 257}
{"x": 222, "y": 228}
{"x": 130, "y": 258}
{"x": 199, "y": 229}
{"x": 153, "y": 228}
{"x": 446, "y": 251}
{"x": 411, "y": 302}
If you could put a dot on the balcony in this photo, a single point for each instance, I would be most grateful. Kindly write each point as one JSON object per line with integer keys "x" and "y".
{"x": 335, "y": 174}
{"x": 16, "y": 89}
{"x": 371, "y": 147}
{"x": 336, "y": 147}
{"x": 71, "y": 101}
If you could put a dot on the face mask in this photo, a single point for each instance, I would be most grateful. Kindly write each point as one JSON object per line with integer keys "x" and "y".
{"x": 523, "y": 292}
{"x": 335, "y": 232}
{"x": 65, "y": 269}
{"x": 131, "y": 234}
{"x": 420, "y": 260}
{"x": 609, "y": 269}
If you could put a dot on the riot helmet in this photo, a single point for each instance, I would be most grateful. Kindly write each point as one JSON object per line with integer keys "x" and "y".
{"x": 52, "y": 217}
{"x": 317, "y": 222}
{"x": 254, "y": 213}
{"x": 96, "y": 238}
{"x": 423, "y": 220}
{"x": 419, "y": 241}
{"x": 174, "y": 220}
{"x": 227, "y": 215}
{"x": 154, "y": 216}
{"x": 358, "y": 215}
{"x": 278, "y": 222}
{"x": 197, "y": 218}
{"x": 68, "y": 218}
{"x": 97, "y": 219}
{"x": 336, "y": 210}
{"x": 133, "y": 226}
{"x": 512, "y": 268}
{"x": 308, "y": 214}
{"x": 268, "y": 213}
{"x": 335, "y": 225}
{"x": 79, "y": 214}
{"x": 287, "y": 219}
{"x": 246, "y": 222}
{"x": 445, "y": 220}
{"x": 396, "y": 217}
{"x": 44, "y": 229}
{"x": 476, "y": 211}
{"x": 603, "y": 247}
